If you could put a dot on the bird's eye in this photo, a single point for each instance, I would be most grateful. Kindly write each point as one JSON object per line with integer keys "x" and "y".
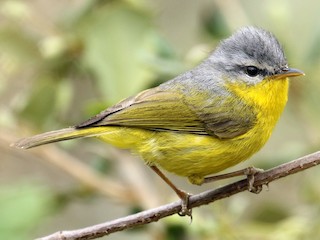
{"x": 252, "y": 71}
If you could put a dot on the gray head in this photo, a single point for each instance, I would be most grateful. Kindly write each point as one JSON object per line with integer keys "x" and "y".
{"x": 252, "y": 53}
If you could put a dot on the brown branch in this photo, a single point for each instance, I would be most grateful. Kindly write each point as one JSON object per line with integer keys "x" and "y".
{"x": 153, "y": 215}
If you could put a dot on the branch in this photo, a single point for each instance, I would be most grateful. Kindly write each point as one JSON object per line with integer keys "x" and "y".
{"x": 153, "y": 215}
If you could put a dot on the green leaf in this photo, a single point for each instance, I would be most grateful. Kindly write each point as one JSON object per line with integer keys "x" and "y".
{"x": 118, "y": 43}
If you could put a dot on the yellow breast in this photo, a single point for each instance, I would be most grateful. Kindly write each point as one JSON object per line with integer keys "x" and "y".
{"x": 268, "y": 99}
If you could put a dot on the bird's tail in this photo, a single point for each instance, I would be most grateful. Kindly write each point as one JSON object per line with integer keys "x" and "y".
{"x": 58, "y": 135}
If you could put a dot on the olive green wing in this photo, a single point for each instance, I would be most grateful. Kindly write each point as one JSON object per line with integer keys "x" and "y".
{"x": 228, "y": 121}
{"x": 159, "y": 110}
{"x": 151, "y": 109}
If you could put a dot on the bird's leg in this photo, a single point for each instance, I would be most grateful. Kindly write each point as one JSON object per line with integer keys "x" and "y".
{"x": 183, "y": 195}
{"x": 250, "y": 172}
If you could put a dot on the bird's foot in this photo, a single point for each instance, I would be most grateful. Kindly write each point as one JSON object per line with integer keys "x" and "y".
{"x": 251, "y": 172}
{"x": 185, "y": 210}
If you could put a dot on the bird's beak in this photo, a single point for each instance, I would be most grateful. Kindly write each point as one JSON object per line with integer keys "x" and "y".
{"x": 288, "y": 72}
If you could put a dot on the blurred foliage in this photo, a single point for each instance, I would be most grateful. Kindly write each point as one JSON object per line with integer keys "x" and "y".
{"x": 63, "y": 61}
{"x": 22, "y": 208}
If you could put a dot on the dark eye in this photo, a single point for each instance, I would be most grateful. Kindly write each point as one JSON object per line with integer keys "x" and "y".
{"x": 252, "y": 71}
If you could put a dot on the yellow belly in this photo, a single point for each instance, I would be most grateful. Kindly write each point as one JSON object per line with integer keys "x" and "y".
{"x": 196, "y": 156}
{"x": 189, "y": 155}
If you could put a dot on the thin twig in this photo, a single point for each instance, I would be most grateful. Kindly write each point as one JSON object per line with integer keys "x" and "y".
{"x": 153, "y": 215}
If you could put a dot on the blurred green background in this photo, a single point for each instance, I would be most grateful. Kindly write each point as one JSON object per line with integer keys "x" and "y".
{"x": 63, "y": 61}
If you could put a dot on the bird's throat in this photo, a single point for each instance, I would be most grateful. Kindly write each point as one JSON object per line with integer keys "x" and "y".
{"x": 268, "y": 98}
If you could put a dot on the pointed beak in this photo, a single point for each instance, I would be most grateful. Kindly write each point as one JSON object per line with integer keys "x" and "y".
{"x": 288, "y": 72}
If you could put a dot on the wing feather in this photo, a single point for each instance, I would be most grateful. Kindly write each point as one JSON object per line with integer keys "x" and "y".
{"x": 155, "y": 109}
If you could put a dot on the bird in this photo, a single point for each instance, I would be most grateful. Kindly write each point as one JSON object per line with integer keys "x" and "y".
{"x": 203, "y": 121}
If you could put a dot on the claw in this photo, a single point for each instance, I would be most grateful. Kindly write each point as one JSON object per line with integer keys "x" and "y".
{"x": 185, "y": 211}
{"x": 251, "y": 172}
